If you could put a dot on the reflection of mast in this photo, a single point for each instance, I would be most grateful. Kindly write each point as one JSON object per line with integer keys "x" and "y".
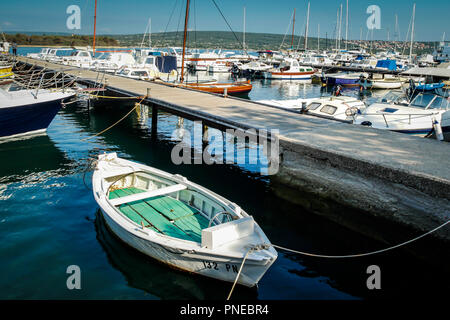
{"x": 95, "y": 24}
{"x": 184, "y": 40}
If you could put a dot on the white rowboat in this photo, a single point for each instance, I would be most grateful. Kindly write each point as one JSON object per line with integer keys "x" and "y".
{"x": 180, "y": 223}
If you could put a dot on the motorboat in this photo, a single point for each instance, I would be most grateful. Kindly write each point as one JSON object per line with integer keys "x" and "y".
{"x": 340, "y": 107}
{"x": 290, "y": 69}
{"x": 112, "y": 61}
{"x": 341, "y": 78}
{"x": 24, "y": 112}
{"x": 179, "y": 223}
{"x": 416, "y": 117}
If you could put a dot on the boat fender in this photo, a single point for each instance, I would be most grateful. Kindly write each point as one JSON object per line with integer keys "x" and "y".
{"x": 437, "y": 129}
{"x": 304, "y": 107}
{"x": 366, "y": 123}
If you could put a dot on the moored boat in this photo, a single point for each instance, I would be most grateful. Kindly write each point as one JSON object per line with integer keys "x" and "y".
{"x": 180, "y": 223}
{"x": 26, "y": 112}
{"x": 290, "y": 69}
{"x": 416, "y": 117}
{"x": 232, "y": 88}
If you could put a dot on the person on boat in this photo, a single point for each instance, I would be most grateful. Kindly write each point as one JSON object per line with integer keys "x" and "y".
{"x": 337, "y": 90}
{"x": 14, "y": 48}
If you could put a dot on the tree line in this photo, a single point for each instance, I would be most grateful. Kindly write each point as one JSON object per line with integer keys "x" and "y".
{"x": 60, "y": 40}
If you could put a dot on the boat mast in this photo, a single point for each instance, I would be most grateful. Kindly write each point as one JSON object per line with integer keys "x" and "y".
{"x": 318, "y": 37}
{"x": 95, "y": 24}
{"x": 243, "y": 37}
{"x": 340, "y": 27}
{"x": 150, "y": 33}
{"x": 337, "y": 28}
{"x": 184, "y": 41}
{"x": 293, "y": 25}
{"x": 412, "y": 33}
{"x": 346, "y": 27}
{"x": 307, "y": 28}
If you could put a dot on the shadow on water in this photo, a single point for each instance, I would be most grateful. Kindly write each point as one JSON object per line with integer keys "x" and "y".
{"x": 32, "y": 155}
{"x": 142, "y": 272}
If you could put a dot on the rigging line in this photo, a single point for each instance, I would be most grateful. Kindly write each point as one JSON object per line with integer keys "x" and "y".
{"x": 179, "y": 20}
{"x": 235, "y": 36}
{"x": 170, "y": 18}
{"x": 287, "y": 30}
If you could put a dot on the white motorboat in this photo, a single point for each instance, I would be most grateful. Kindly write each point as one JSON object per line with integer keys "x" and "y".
{"x": 112, "y": 61}
{"x": 290, "y": 70}
{"x": 180, "y": 223}
{"x": 415, "y": 118}
{"x": 136, "y": 73}
{"x": 340, "y": 108}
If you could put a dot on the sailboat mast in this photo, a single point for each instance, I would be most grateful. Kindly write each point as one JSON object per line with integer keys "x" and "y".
{"x": 184, "y": 40}
{"x": 340, "y": 27}
{"x": 95, "y": 25}
{"x": 243, "y": 37}
{"x": 150, "y": 33}
{"x": 337, "y": 28}
{"x": 346, "y": 27}
{"x": 293, "y": 25}
{"x": 318, "y": 37}
{"x": 307, "y": 29}
{"x": 412, "y": 33}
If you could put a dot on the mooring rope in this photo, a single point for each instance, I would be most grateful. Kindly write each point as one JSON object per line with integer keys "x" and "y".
{"x": 361, "y": 254}
{"x": 239, "y": 273}
{"x": 114, "y": 124}
{"x": 265, "y": 246}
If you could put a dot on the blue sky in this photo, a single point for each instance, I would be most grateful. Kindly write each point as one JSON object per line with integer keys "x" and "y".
{"x": 131, "y": 16}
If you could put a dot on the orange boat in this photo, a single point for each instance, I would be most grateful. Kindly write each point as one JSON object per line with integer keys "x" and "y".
{"x": 235, "y": 88}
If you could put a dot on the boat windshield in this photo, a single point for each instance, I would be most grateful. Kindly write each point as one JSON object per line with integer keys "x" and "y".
{"x": 422, "y": 100}
{"x": 391, "y": 97}
{"x": 440, "y": 103}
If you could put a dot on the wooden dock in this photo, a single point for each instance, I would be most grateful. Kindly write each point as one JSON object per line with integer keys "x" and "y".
{"x": 404, "y": 179}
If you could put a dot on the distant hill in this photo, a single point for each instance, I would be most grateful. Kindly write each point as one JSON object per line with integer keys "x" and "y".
{"x": 255, "y": 41}
{"x": 59, "y": 40}
{"x": 210, "y": 40}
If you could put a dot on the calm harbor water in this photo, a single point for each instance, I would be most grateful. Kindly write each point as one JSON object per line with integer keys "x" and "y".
{"x": 50, "y": 220}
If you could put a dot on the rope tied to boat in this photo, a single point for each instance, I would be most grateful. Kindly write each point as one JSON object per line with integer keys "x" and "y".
{"x": 265, "y": 246}
{"x": 137, "y": 104}
{"x": 360, "y": 254}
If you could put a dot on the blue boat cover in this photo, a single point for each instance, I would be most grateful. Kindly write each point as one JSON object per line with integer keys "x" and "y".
{"x": 388, "y": 64}
{"x": 166, "y": 64}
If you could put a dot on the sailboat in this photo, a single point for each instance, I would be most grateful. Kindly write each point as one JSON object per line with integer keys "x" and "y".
{"x": 234, "y": 88}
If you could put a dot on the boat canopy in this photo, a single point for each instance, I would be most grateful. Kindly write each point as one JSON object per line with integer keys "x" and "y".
{"x": 388, "y": 64}
{"x": 166, "y": 64}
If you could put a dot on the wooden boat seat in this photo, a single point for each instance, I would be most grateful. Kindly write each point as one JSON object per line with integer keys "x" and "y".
{"x": 162, "y": 213}
{"x": 147, "y": 194}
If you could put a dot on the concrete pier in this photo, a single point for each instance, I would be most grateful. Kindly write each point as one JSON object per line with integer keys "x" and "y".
{"x": 384, "y": 175}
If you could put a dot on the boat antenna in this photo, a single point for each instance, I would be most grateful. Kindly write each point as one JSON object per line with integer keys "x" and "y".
{"x": 186, "y": 19}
